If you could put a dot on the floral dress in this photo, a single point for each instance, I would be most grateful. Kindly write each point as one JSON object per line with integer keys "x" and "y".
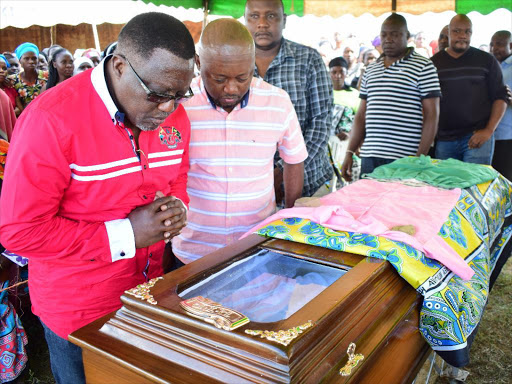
{"x": 28, "y": 92}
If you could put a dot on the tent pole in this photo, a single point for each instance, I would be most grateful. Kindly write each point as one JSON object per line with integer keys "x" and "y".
{"x": 393, "y": 6}
{"x": 96, "y": 38}
{"x": 205, "y": 18}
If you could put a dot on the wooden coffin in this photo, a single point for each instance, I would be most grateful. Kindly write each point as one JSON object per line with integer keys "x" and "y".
{"x": 369, "y": 305}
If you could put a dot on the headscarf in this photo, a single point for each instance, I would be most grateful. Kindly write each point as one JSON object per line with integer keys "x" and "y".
{"x": 2, "y": 57}
{"x": 78, "y": 62}
{"x": 91, "y": 52}
{"x": 26, "y": 47}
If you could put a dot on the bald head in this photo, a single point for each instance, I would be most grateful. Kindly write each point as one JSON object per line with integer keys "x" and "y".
{"x": 460, "y": 18}
{"x": 225, "y": 37}
{"x": 460, "y": 31}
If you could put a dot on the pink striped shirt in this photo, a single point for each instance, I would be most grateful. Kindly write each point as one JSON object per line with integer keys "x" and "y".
{"x": 231, "y": 177}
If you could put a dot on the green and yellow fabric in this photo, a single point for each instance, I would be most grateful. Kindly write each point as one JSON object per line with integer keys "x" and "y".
{"x": 479, "y": 229}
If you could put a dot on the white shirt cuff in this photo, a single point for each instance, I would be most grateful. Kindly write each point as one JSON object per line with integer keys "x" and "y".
{"x": 121, "y": 239}
{"x": 184, "y": 205}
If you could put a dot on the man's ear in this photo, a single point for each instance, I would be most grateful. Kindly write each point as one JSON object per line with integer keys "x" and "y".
{"x": 119, "y": 65}
{"x": 198, "y": 64}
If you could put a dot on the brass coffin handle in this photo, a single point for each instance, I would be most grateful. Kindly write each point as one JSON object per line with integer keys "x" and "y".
{"x": 353, "y": 360}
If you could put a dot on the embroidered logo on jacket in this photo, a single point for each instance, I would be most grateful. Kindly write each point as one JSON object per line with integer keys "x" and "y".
{"x": 169, "y": 136}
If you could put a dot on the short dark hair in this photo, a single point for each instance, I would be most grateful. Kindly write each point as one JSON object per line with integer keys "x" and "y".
{"x": 338, "y": 62}
{"x": 398, "y": 19}
{"x": 149, "y": 31}
{"x": 504, "y": 34}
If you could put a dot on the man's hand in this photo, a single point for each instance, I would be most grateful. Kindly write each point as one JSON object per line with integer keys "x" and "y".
{"x": 175, "y": 224}
{"x": 509, "y": 95}
{"x": 160, "y": 220}
{"x": 479, "y": 138}
{"x": 346, "y": 167}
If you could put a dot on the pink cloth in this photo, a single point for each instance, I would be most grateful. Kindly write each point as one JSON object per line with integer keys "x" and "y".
{"x": 7, "y": 116}
{"x": 373, "y": 207}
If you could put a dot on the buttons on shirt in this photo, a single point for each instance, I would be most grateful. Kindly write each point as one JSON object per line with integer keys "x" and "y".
{"x": 145, "y": 197}
{"x": 145, "y": 166}
{"x": 122, "y": 254}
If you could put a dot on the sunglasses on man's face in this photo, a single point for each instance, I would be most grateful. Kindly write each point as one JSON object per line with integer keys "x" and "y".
{"x": 159, "y": 98}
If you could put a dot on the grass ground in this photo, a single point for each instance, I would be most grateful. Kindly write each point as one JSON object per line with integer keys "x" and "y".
{"x": 491, "y": 353}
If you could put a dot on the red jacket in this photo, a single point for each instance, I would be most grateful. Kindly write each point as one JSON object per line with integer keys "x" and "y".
{"x": 71, "y": 168}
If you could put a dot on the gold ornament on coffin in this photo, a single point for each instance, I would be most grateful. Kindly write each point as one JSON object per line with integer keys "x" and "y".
{"x": 214, "y": 313}
{"x": 141, "y": 291}
{"x": 281, "y": 337}
{"x": 353, "y": 360}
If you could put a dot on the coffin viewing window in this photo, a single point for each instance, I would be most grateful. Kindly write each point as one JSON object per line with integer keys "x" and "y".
{"x": 266, "y": 286}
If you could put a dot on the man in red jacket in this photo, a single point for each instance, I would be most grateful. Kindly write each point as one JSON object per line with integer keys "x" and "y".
{"x": 96, "y": 181}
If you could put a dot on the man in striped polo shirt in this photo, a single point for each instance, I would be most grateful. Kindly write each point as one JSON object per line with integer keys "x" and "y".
{"x": 237, "y": 124}
{"x": 399, "y": 107}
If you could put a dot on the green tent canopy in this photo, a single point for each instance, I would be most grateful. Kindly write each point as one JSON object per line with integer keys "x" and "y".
{"x": 337, "y": 8}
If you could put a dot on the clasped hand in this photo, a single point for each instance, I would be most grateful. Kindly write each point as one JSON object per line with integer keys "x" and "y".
{"x": 161, "y": 220}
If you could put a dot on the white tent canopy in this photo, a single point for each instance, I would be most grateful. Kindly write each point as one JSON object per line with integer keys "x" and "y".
{"x": 308, "y": 29}
{"x": 23, "y": 14}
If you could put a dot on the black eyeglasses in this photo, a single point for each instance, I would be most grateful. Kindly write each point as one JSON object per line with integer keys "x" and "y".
{"x": 159, "y": 98}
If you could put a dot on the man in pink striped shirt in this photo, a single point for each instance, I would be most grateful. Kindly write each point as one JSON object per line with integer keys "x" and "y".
{"x": 237, "y": 124}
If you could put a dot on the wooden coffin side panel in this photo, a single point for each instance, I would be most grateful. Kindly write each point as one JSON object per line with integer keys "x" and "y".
{"x": 160, "y": 343}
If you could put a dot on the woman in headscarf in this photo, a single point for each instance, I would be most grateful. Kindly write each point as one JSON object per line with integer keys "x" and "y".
{"x": 93, "y": 55}
{"x": 6, "y": 87}
{"x": 82, "y": 64}
{"x": 14, "y": 63}
{"x": 60, "y": 67}
{"x": 28, "y": 83}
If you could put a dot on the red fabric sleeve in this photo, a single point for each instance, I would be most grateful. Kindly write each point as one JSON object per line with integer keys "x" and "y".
{"x": 36, "y": 177}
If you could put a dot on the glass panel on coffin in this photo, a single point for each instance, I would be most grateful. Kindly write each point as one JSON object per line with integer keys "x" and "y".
{"x": 266, "y": 286}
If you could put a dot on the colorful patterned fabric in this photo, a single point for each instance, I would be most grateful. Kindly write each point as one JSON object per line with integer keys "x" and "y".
{"x": 479, "y": 229}
{"x": 4, "y": 147}
{"x": 13, "y": 357}
{"x": 28, "y": 92}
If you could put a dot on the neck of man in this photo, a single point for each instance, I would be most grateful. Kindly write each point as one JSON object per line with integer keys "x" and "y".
{"x": 388, "y": 60}
{"x": 455, "y": 54}
{"x": 109, "y": 75}
{"x": 270, "y": 51}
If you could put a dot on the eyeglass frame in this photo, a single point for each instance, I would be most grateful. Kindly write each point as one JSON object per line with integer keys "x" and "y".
{"x": 150, "y": 94}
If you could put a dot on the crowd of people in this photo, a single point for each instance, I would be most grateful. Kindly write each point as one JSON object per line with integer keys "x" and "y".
{"x": 158, "y": 142}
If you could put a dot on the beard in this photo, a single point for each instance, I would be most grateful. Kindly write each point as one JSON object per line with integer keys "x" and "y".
{"x": 460, "y": 49}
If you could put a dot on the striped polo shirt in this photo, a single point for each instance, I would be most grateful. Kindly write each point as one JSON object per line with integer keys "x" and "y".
{"x": 394, "y": 113}
{"x": 231, "y": 177}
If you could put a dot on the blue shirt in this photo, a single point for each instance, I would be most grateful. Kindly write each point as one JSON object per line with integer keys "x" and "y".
{"x": 504, "y": 129}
